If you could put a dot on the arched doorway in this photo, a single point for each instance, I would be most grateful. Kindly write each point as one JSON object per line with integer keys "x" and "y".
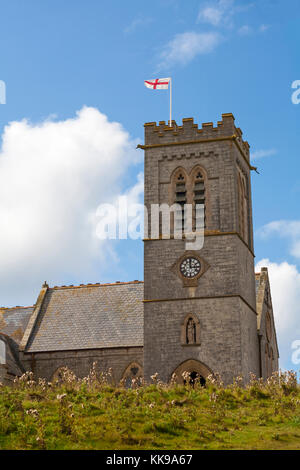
{"x": 191, "y": 372}
{"x": 195, "y": 377}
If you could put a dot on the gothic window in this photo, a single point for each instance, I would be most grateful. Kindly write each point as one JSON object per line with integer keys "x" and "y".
{"x": 271, "y": 354}
{"x": 2, "y": 352}
{"x": 243, "y": 207}
{"x": 180, "y": 199}
{"x": 189, "y": 189}
{"x": 190, "y": 330}
{"x": 268, "y": 326}
{"x": 271, "y": 361}
{"x": 132, "y": 375}
{"x": 267, "y": 297}
{"x": 199, "y": 200}
{"x": 267, "y": 359}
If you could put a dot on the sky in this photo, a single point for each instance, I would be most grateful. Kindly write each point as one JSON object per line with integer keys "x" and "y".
{"x": 75, "y": 105}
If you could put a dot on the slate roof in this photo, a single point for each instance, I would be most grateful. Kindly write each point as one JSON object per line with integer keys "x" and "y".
{"x": 13, "y": 321}
{"x": 89, "y": 317}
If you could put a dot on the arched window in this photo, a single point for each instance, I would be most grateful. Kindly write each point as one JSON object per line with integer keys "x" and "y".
{"x": 271, "y": 361}
{"x": 243, "y": 207}
{"x": 133, "y": 374}
{"x": 189, "y": 189}
{"x": 267, "y": 361}
{"x": 190, "y": 330}
{"x": 2, "y": 352}
{"x": 180, "y": 198}
{"x": 267, "y": 296}
{"x": 199, "y": 216}
{"x": 268, "y": 326}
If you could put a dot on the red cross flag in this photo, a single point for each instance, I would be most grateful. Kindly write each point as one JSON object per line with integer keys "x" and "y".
{"x": 161, "y": 84}
{"x": 158, "y": 83}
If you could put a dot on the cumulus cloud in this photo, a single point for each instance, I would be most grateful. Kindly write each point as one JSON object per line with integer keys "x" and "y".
{"x": 115, "y": 220}
{"x": 285, "y": 291}
{"x": 288, "y": 229}
{"x": 263, "y": 153}
{"x": 184, "y": 47}
{"x": 53, "y": 176}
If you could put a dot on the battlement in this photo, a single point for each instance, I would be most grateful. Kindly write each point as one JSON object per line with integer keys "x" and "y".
{"x": 163, "y": 134}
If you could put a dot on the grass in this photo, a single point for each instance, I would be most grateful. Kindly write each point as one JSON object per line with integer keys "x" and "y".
{"x": 91, "y": 414}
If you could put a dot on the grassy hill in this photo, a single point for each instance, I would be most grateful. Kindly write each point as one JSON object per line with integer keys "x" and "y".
{"x": 91, "y": 414}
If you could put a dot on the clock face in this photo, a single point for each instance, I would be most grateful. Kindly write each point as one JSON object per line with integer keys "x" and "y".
{"x": 190, "y": 267}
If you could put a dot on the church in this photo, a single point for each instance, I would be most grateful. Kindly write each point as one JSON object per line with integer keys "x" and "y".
{"x": 198, "y": 311}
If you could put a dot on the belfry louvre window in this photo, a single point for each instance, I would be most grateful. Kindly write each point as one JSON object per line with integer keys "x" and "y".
{"x": 199, "y": 199}
{"x": 243, "y": 208}
{"x": 180, "y": 199}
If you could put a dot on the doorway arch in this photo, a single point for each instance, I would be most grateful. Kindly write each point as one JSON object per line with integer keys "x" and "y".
{"x": 197, "y": 372}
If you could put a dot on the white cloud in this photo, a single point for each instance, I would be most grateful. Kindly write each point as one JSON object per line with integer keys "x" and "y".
{"x": 211, "y": 15}
{"x": 121, "y": 210}
{"x": 289, "y": 229}
{"x": 285, "y": 291}
{"x": 53, "y": 175}
{"x": 263, "y": 153}
{"x": 184, "y": 47}
{"x": 221, "y": 13}
{"x": 246, "y": 30}
{"x": 217, "y": 13}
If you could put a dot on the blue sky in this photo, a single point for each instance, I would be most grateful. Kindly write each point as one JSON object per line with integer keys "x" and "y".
{"x": 223, "y": 56}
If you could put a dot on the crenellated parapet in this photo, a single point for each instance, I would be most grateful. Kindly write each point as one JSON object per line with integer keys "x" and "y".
{"x": 162, "y": 134}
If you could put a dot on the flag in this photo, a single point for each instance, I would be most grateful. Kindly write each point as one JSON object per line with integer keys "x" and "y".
{"x": 158, "y": 83}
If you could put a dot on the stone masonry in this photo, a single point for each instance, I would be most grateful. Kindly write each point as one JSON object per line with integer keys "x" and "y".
{"x": 220, "y": 320}
{"x": 224, "y": 300}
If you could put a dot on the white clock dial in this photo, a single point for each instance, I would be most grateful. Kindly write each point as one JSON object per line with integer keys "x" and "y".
{"x": 190, "y": 267}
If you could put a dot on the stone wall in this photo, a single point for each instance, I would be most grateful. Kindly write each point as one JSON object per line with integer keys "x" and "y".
{"x": 268, "y": 340}
{"x": 80, "y": 362}
{"x": 3, "y": 374}
{"x": 226, "y": 337}
{"x": 223, "y": 298}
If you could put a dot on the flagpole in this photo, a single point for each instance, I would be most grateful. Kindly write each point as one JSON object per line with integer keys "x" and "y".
{"x": 170, "y": 102}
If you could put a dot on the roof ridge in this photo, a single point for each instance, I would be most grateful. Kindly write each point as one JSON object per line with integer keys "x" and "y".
{"x": 97, "y": 284}
{"x": 17, "y": 306}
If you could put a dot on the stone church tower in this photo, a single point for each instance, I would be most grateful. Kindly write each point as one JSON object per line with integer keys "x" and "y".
{"x": 200, "y": 309}
{"x": 200, "y": 306}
